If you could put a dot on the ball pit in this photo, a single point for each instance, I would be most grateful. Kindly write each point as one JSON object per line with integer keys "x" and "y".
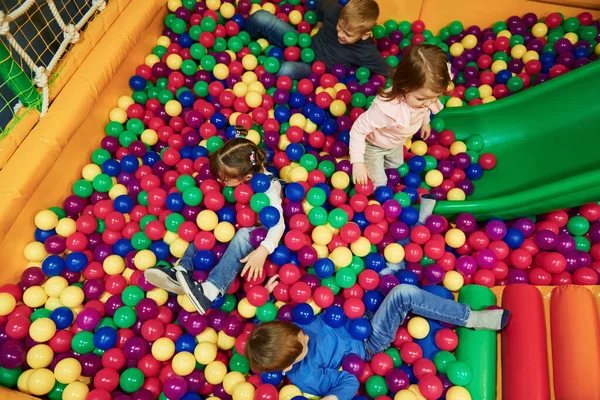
{"x": 89, "y": 317}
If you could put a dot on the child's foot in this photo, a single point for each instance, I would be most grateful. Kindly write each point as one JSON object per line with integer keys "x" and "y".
{"x": 494, "y": 320}
{"x": 427, "y": 205}
{"x": 164, "y": 278}
{"x": 193, "y": 290}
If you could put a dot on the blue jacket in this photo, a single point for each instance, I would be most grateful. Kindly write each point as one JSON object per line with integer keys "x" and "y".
{"x": 318, "y": 373}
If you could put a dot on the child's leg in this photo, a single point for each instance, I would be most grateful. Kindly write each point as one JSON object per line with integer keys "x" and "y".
{"x": 166, "y": 278}
{"x": 269, "y": 26}
{"x": 408, "y": 298}
{"x": 294, "y": 69}
{"x": 374, "y": 160}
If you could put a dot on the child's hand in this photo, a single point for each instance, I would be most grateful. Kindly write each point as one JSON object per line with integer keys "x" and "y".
{"x": 255, "y": 263}
{"x": 272, "y": 283}
{"x": 425, "y": 131}
{"x": 360, "y": 173}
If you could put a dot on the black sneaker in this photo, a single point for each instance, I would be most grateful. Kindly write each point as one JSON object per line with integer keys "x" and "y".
{"x": 164, "y": 278}
{"x": 193, "y": 290}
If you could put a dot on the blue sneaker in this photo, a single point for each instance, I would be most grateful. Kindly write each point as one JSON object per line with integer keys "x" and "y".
{"x": 193, "y": 290}
{"x": 164, "y": 278}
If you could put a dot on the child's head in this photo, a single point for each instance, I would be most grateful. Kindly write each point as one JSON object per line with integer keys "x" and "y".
{"x": 421, "y": 76}
{"x": 357, "y": 19}
{"x": 237, "y": 161}
{"x": 275, "y": 346}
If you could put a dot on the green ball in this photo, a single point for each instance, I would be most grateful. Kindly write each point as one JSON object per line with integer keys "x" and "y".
{"x": 392, "y": 61}
{"x": 363, "y": 73}
{"x": 229, "y": 304}
{"x": 267, "y": 312}
{"x": 582, "y": 243}
{"x": 9, "y": 377}
{"x": 40, "y": 313}
{"x": 140, "y": 97}
{"x": 255, "y": 48}
{"x": 201, "y": 88}
{"x": 475, "y": 142}
{"x": 189, "y": 67}
{"x": 173, "y": 221}
{"x": 244, "y": 37}
{"x": 405, "y": 27}
{"x": 131, "y": 380}
{"x": 271, "y": 65}
{"x": 337, "y": 218}
{"x": 378, "y": 31}
{"x": 153, "y": 93}
{"x": 83, "y": 342}
{"x": 316, "y": 197}
{"x": 114, "y": 129}
{"x": 143, "y": 198}
{"x": 578, "y": 225}
{"x": 132, "y": 295}
{"x": 184, "y": 182}
{"x": 169, "y": 19}
{"x": 310, "y": 17}
{"x": 571, "y": 24}
{"x": 403, "y": 170}
{"x": 588, "y": 33}
{"x": 83, "y": 188}
{"x": 445, "y": 34}
{"x": 192, "y": 196}
{"x": 189, "y": 4}
{"x": 208, "y": 63}
{"x": 359, "y": 99}
{"x": 357, "y": 265}
{"x": 500, "y": 55}
{"x": 427, "y": 34}
{"x": 228, "y": 194}
{"x": 101, "y": 225}
{"x": 165, "y": 95}
{"x": 405, "y": 43}
{"x": 438, "y": 124}
{"x": 442, "y": 360}
{"x": 290, "y": 39}
{"x": 126, "y": 138}
{"x": 125, "y": 317}
{"x": 258, "y": 201}
{"x": 345, "y": 278}
{"x": 57, "y": 391}
{"x": 499, "y": 27}
{"x": 239, "y": 363}
{"x": 317, "y": 216}
{"x": 474, "y": 156}
{"x": 390, "y": 26}
{"x": 555, "y": 35}
{"x": 235, "y": 44}
{"x": 99, "y": 352}
{"x": 430, "y": 163}
{"x": 425, "y": 261}
{"x": 102, "y": 183}
{"x": 178, "y": 26}
{"x": 472, "y": 93}
{"x": 309, "y": 162}
{"x": 140, "y": 241}
{"x": 395, "y": 356}
{"x": 197, "y": 51}
{"x": 455, "y": 28}
{"x": 214, "y": 143}
{"x": 307, "y": 55}
{"x": 60, "y": 213}
{"x": 549, "y": 48}
{"x": 330, "y": 283}
{"x": 327, "y": 167}
{"x": 459, "y": 373}
{"x": 195, "y": 32}
{"x": 304, "y": 40}
{"x": 106, "y": 321}
{"x": 99, "y": 156}
{"x": 516, "y": 39}
{"x": 159, "y": 51}
{"x": 376, "y": 386}
{"x": 208, "y": 24}
{"x": 515, "y": 84}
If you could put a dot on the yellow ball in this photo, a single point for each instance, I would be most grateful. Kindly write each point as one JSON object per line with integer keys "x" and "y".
{"x": 499, "y": 65}
{"x": 174, "y": 61}
{"x": 227, "y": 10}
{"x": 39, "y": 356}
{"x": 163, "y": 349}
{"x": 310, "y": 127}
{"x": 253, "y": 136}
{"x": 288, "y": 392}
{"x": 35, "y": 251}
{"x": 205, "y": 352}
{"x": 221, "y": 71}
{"x": 178, "y": 247}
{"x": 269, "y": 7}
{"x": 454, "y": 102}
{"x": 528, "y": 56}
{"x": 160, "y": 296}
{"x": 456, "y": 194}
{"x": 67, "y": 370}
{"x": 453, "y": 281}
{"x": 505, "y": 33}
{"x": 72, "y": 296}
{"x": 246, "y": 309}
{"x": 41, "y": 381}
{"x": 361, "y": 247}
{"x": 394, "y": 253}
{"x": 34, "y": 297}
{"x": 173, "y": 5}
{"x": 75, "y": 391}
{"x": 321, "y": 235}
{"x": 458, "y": 393}
{"x": 298, "y": 174}
{"x": 418, "y": 327}
{"x": 41, "y": 330}
{"x": 124, "y": 101}
{"x": 295, "y": 17}
{"x": 224, "y": 341}
{"x": 207, "y": 220}
{"x": 298, "y": 120}
{"x": 213, "y": 4}
{"x": 518, "y": 51}
{"x": 597, "y": 49}
{"x": 284, "y": 142}
{"x": 414, "y": 388}
{"x": 341, "y": 257}
{"x": 7, "y": 303}
{"x": 151, "y": 59}
{"x": 231, "y": 380}
{"x": 240, "y": 89}
{"x": 209, "y": 335}
{"x": 457, "y": 49}
{"x": 458, "y": 147}
{"x": 144, "y": 259}
{"x": 539, "y": 30}
{"x": 173, "y": 108}
{"x": 337, "y": 108}
{"x": 340, "y": 180}
{"x": 249, "y": 77}
{"x": 250, "y": 62}
{"x": 149, "y": 136}
{"x": 117, "y": 190}
{"x": 89, "y": 172}
{"x": 469, "y": 41}
{"x": 488, "y": 99}
{"x": 257, "y": 87}
{"x": 183, "y": 363}
{"x": 53, "y": 303}
{"x": 186, "y": 303}
{"x": 419, "y": 148}
{"x": 55, "y": 285}
{"x": 66, "y": 227}
{"x": 117, "y": 115}
{"x": 253, "y": 99}
{"x": 22, "y": 382}
{"x": 45, "y": 220}
{"x": 243, "y": 391}
{"x": 322, "y": 251}
{"x": 215, "y": 372}
{"x": 113, "y": 264}
{"x": 572, "y": 36}
{"x": 455, "y": 238}
{"x": 485, "y": 90}
{"x": 405, "y": 394}
{"x": 434, "y": 178}
{"x": 224, "y": 232}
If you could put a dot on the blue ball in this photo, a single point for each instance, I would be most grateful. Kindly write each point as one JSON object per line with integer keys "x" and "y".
{"x": 204, "y": 260}
{"x": 581, "y": 52}
{"x": 409, "y": 371}
{"x": 329, "y": 127}
{"x": 409, "y": 215}
{"x": 276, "y": 52}
{"x": 160, "y": 249}
{"x": 199, "y": 151}
{"x": 297, "y": 100}
{"x": 503, "y": 76}
{"x": 271, "y": 378}
{"x": 360, "y": 220}
{"x": 218, "y": 120}
{"x": 53, "y": 265}
{"x": 186, "y": 152}
{"x": 294, "y": 192}
{"x": 317, "y": 115}
{"x": 282, "y": 114}
{"x": 260, "y": 183}
{"x": 62, "y": 317}
{"x": 311, "y": 4}
{"x": 239, "y": 19}
{"x": 417, "y": 163}
{"x": 334, "y": 316}
{"x": 226, "y": 214}
{"x": 372, "y": 300}
{"x": 41, "y": 235}
{"x": 303, "y": 314}
{"x": 360, "y": 328}
{"x": 412, "y": 179}
{"x": 150, "y": 158}
{"x": 105, "y": 338}
{"x": 122, "y": 247}
{"x": 187, "y": 98}
{"x": 474, "y": 172}
{"x": 76, "y": 261}
{"x": 269, "y": 216}
{"x": 344, "y": 137}
{"x": 324, "y": 187}
{"x": 124, "y": 204}
{"x": 439, "y": 291}
{"x": 514, "y": 238}
{"x": 218, "y": 302}
{"x": 408, "y": 277}
{"x": 294, "y": 151}
{"x": 111, "y": 167}
{"x": 412, "y": 193}
{"x": 547, "y": 58}
{"x": 185, "y": 342}
{"x": 270, "y": 154}
{"x": 280, "y": 255}
{"x": 137, "y": 83}
{"x": 230, "y": 132}
{"x": 174, "y": 202}
{"x": 191, "y": 396}
{"x": 383, "y": 193}
{"x": 324, "y": 268}
{"x": 129, "y": 163}
{"x": 375, "y": 261}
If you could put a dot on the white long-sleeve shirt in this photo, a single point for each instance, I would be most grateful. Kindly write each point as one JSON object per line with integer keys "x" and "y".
{"x": 275, "y": 233}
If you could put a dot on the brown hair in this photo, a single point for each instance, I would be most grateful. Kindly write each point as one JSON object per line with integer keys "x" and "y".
{"x": 273, "y": 346}
{"x": 360, "y": 15}
{"x": 236, "y": 159}
{"x": 423, "y": 66}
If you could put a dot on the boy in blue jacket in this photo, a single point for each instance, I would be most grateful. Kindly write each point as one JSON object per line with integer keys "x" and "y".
{"x": 311, "y": 355}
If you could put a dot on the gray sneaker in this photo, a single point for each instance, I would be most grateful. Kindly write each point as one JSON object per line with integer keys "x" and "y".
{"x": 193, "y": 290}
{"x": 164, "y": 278}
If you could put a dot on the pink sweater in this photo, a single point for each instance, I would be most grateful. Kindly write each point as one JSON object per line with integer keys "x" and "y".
{"x": 387, "y": 124}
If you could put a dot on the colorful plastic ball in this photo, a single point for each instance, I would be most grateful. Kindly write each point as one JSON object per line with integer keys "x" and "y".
{"x": 131, "y": 380}
{"x": 418, "y": 327}
{"x": 431, "y": 387}
{"x": 458, "y": 393}
{"x": 41, "y": 381}
{"x": 455, "y": 238}
{"x": 459, "y": 373}
{"x": 67, "y": 370}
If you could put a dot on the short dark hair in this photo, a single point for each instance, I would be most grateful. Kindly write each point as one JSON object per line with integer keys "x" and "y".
{"x": 273, "y": 346}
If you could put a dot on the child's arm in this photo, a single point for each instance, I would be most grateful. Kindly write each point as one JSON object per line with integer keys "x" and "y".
{"x": 331, "y": 384}
{"x": 373, "y": 60}
{"x": 426, "y": 127}
{"x": 323, "y": 5}
{"x": 368, "y": 122}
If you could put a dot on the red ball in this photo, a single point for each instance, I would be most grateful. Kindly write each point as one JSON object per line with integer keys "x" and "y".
{"x": 585, "y": 276}
{"x": 554, "y": 20}
{"x": 381, "y": 364}
{"x": 563, "y": 278}
{"x": 424, "y": 367}
{"x": 420, "y": 234}
{"x": 590, "y": 211}
{"x": 300, "y": 292}
{"x": 520, "y": 258}
{"x": 484, "y": 277}
{"x": 368, "y": 279}
{"x": 410, "y": 352}
{"x": 323, "y": 297}
{"x": 402, "y": 336}
{"x": 431, "y": 387}
{"x": 107, "y": 378}
{"x": 153, "y": 329}
{"x": 554, "y": 263}
{"x": 487, "y": 161}
{"x": 446, "y": 137}
{"x": 539, "y": 277}
{"x": 446, "y": 339}
{"x": 354, "y": 308}
{"x": 257, "y": 296}
{"x": 418, "y": 26}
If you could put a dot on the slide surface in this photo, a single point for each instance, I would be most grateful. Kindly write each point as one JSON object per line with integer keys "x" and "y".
{"x": 546, "y": 141}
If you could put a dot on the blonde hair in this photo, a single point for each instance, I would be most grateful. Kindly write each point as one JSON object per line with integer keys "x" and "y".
{"x": 273, "y": 346}
{"x": 360, "y": 15}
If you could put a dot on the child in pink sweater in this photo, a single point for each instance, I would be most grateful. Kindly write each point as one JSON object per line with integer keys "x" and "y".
{"x": 378, "y": 135}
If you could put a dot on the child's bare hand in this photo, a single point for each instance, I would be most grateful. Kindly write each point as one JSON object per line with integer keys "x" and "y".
{"x": 360, "y": 173}
{"x": 425, "y": 131}
{"x": 255, "y": 263}
{"x": 272, "y": 283}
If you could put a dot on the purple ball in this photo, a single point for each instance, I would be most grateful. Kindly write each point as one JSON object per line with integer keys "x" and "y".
{"x": 88, "y": 319}
{"x": 313, "y": 281}
{"x": 446, "y": 168}
{"x": 285, "y": 313}
{"x": 90, "y": 364}
{"x": 353, "y": 364}
{"x": 344, "y": 166}
{"x": 434, "y": 274}
{"x": 563, "y": 46}
{"x": 175, "y": 387}
{"x": 435, "y": 224}
{"x": 486, "y": 259}
{"x": 546, "y": 240}
{"x": 399, "y": 230}
{"x": 466, "y": 223}
{"x": 32, "y": 276}
{"x": 142, "y": 394}
{"x": 136, "y": 347}
{"x": 530, "y": 19}
{"x": 572, "y": 261}
{"x": 146, "y": 309}
{"x": 594, "y": 232}
{"x": 495, "y": 229}
{"x": 12, "y": 354}
{"x": 466, "y": 265}
{"x": 417, "y": 269}
{"x": 307, "y": 255}
{"x": 232, "y": 325}
{"x": 397, "y": 380}
{"x": 195, "y": 380}
{"x": 517, "y": 276}
{"x": 393, "y": 177}
{"x": 257, "y": 236}
{"x": 525, "y": 225}
{"x": 196, "y": 324}
{"x": 216, "y": 319}
{"x": 466, "y": 186}
{"x": 219, "y": 392}
{"x": 387, "y": 283}
{"x": 396, "y": 37}
{"x": 564, "y": 243}
{"x": 462, "y": 160}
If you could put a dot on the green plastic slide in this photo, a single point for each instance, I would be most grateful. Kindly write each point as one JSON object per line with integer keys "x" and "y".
{"x": 547, "y": 144}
